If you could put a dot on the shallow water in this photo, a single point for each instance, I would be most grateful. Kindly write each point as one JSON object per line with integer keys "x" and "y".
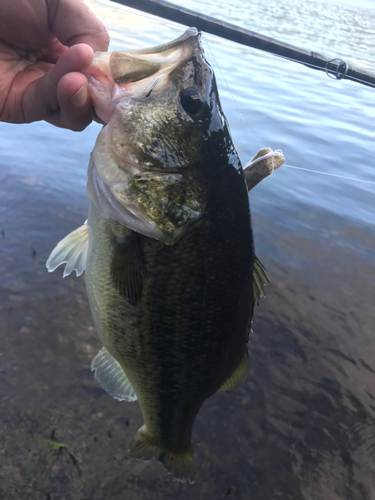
{"x": 302, "y": 427}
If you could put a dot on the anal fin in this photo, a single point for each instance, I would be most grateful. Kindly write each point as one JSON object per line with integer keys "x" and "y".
{"x": 239, "y": 375}
{"x": 259, "y": 280}
{"x": 111, "y": 376}
{"x": 72, "y": 251}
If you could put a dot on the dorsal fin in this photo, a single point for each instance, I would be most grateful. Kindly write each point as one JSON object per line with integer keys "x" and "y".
{"x": 72, "y": 251}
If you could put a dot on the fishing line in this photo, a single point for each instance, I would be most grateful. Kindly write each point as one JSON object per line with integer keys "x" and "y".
{"x": 222, "y": 74}
{"x": 327, "y": 173}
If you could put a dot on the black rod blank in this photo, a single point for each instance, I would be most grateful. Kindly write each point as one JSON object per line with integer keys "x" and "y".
{"x": 335, "y": 68}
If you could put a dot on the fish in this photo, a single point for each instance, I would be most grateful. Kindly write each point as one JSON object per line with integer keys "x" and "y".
{"x": 168, "y": 248}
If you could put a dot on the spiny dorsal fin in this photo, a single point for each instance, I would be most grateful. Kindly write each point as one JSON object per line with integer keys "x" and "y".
{"x": 259, "y": 280}
{"x": 128, "y": 268}
{"x": 239, "y": 375}
{"x": 111, "y": 376}
{"x": 72, "y": 251}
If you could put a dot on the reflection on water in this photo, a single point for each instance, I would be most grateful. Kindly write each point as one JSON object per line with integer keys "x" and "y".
{"x": 303, "y": 424}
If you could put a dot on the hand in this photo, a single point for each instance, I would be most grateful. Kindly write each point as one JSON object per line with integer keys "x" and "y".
{"x": 44, "y": 47}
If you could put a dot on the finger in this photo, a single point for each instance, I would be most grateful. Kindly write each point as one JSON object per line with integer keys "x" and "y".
{"x": 76, "y": 110}
{"x": 40, "y": 100}
{"x": 72, "y": 22}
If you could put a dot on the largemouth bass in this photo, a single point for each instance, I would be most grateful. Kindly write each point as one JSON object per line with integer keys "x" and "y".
{"x": 168, "y": 250}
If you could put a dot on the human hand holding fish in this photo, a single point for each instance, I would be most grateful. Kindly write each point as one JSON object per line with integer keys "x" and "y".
{"x": 45, "y": 46}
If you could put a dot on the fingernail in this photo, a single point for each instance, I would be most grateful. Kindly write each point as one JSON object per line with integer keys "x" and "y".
{"x": 79, "y": 99}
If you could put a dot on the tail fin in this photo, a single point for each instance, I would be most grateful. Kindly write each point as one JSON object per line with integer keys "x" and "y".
{"x": 179, "y": 464}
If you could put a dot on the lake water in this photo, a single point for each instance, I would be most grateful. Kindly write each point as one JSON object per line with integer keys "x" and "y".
{"x": 302, "y": 427}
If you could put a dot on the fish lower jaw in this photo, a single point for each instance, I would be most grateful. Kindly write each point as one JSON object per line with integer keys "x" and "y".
{"x": 101, "y": 95}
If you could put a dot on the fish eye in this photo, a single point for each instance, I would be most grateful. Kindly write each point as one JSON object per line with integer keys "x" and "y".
{"x": 191, "y": 100}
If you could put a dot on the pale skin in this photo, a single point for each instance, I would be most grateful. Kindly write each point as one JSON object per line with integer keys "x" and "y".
{"x": 45, "y": 47}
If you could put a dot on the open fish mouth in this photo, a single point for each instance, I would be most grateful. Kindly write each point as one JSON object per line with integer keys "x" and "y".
{"x": 137, "y": 73}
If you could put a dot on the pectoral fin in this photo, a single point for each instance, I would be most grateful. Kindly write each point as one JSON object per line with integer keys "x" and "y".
{"x": 72, "y": 251}
{"x": 259, "y": 280}
{"x": 128, "y": 268}
{"x": 111, "y": 376}
{"x": 239, "y": 375}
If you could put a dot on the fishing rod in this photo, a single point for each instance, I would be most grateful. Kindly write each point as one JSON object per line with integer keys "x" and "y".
{"x": 334, "y": 68}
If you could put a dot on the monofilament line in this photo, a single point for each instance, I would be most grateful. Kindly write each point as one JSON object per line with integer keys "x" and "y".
{"x": 226, "y": 83}
{"x": 332, "y": 175}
